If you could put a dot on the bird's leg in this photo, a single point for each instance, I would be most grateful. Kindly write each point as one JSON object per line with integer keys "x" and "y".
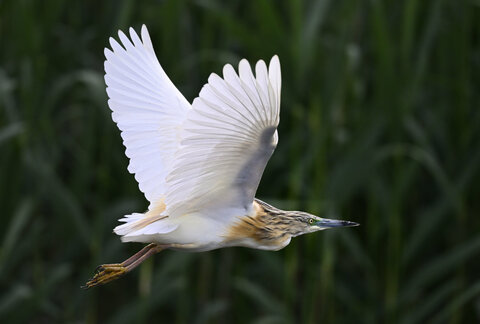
{"x": 127, "y": 262}
{"x": 109, "y": 272}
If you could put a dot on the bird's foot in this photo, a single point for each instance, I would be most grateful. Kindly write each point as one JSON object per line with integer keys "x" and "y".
{"x": 109, "y": 272}
{"x": 106, "y": 273}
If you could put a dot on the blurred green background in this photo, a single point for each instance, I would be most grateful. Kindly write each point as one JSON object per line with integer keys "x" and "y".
{"x": 379, "y": 124}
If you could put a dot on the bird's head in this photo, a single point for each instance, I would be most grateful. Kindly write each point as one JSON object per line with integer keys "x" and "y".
{"x": 302, "y": 223}
{"x": 276, "y": 222}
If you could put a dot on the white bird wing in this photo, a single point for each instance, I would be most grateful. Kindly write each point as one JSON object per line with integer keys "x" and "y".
{"x": 226, "y": 141}
{"x": 147, "y": 108}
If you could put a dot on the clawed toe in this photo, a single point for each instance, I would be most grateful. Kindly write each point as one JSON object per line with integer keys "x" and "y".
{"x": 106, "y": 273}
{"x": 98, "y": 269}
{"x": 107, "y": 267}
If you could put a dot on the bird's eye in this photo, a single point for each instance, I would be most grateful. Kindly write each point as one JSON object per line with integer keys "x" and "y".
{"x": 310, "y": 221}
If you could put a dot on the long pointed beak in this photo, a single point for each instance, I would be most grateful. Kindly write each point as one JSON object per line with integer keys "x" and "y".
{"x": 327, "y": 223}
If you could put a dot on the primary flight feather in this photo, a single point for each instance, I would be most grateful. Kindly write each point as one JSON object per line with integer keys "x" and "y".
{"x": 198, "y": 165}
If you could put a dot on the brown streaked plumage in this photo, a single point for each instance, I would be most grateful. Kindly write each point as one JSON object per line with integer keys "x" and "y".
{"x": 269, "y": 226}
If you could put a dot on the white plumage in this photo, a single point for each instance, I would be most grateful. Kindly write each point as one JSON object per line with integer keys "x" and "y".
{"x": 198, "y": 165}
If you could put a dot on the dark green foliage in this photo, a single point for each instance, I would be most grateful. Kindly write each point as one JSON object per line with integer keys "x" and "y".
{"x": 380, "y": 125}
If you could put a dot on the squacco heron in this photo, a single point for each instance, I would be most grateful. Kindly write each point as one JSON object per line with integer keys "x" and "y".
{"x": 199, "y": 164}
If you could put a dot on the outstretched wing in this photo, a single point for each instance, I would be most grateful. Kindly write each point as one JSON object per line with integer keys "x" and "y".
{"x": 226, "y": 140}
{"x": 147, "y": 108}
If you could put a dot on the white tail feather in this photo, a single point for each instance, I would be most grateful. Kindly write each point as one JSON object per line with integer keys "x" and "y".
{"x": 143, "y": 224}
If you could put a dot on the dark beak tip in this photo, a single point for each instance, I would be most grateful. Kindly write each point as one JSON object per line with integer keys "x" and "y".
{"x": 331, "y": 223}
{"x": 349, "y": 224}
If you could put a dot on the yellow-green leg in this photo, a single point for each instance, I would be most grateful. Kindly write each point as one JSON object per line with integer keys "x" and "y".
{"x": 109, "y": 272}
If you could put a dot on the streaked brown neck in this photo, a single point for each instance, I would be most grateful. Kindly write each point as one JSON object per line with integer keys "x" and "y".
{"x": 268, "y": 226}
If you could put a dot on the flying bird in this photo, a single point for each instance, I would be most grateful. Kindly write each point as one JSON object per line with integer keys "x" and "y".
{"x": 199, "y": 164}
